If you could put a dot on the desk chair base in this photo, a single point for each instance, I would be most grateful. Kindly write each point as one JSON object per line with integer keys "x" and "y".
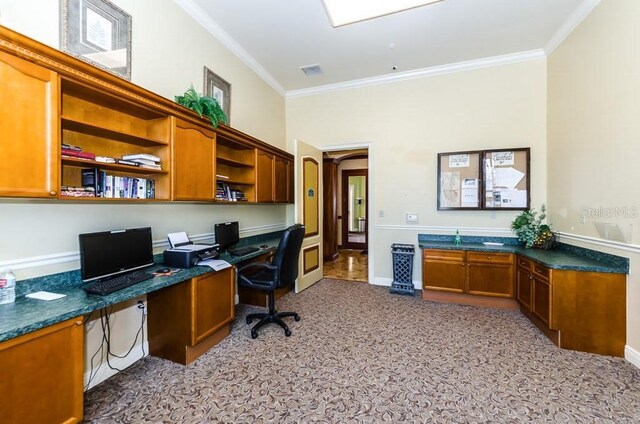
{"x": 272, "y": 316}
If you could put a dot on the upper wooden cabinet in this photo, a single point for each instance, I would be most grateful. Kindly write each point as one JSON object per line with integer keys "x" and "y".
{"x": 193, "y": 164}
{"x": 264, "y": 177}
{"x": 281, "y": 179}
{"x": 49, "y": 98}
{"x": 29, "y": 129}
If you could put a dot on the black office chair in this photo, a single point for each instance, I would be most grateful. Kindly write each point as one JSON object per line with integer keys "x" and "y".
{"x": 282, "y": 271}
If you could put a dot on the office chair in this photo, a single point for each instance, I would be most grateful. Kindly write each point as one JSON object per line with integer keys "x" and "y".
{"x": 282, "y": 271}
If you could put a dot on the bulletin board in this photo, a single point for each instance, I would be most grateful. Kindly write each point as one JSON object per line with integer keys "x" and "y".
{"x": 506, "y": 179}
{"x": 460, "y": 180}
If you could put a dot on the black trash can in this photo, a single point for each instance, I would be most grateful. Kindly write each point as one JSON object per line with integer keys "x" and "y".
{"x": 402, "y": 269}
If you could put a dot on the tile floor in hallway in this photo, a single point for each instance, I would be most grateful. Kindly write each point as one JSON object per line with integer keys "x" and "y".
{"x": 350, "y": 265}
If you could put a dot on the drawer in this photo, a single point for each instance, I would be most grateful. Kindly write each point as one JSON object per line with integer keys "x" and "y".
{"x": 540, "y": 271}
{"x": 490, "y": 257}
{"x": 524, "y": 262}
{"x": 445, "y": 255}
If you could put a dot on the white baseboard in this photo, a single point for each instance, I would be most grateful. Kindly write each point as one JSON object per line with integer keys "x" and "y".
{"x": 103, "y": 372}
{"x": 632, "y": 355}
{"x": 383, "y": 281}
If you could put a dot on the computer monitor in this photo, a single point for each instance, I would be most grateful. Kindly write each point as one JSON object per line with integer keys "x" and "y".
{"x": 110, "y": 253}
{"x": 227, "y": 234}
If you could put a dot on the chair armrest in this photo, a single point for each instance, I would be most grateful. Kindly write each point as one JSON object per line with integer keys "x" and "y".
{"x": 258, "y": 265}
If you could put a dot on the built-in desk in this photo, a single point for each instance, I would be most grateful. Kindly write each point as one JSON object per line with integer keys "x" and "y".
{"x": 576, "y": 296}
{"x": 42, "y": 342}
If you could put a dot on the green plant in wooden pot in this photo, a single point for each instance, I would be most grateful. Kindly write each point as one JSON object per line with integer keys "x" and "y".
{"x": 530, "y": 229}
{"x": 204, "y": 105}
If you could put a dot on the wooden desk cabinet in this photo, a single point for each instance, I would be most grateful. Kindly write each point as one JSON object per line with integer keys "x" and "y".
{"x": 187, "y": 319}
{"x": 577, "y": 310}
{"x": 41, "y": 375}
{"x": 476, "y": 273}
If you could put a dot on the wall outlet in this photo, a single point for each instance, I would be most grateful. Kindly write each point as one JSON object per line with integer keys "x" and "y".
{"x": 381, "y": 213}
{"x": 412, "y": 217}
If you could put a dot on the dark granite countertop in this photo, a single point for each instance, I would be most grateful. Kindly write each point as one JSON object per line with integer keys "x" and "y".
{"x": 26, "y": 315}
{"x": 562, "y": 257}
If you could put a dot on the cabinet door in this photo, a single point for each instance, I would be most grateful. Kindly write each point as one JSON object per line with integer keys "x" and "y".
{"x": 281, "y": 187}
{"x": 541, "y": 302}
{"x": 290, "y": 183}
{"x": 193, "y": 162}
{"x": 42, "y": 375}
{"x": 444, "y": 275}
{"x": 264, "y": 176}
{"x": 213, "y": 303}
{"x": 29, "y": 129}
{"x": 524, "y": 287}
{"x": 487, "y": 279}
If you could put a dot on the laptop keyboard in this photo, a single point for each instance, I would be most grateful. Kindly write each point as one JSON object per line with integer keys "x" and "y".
{"x": 243, "y": 251}
{"x": 118, "y": 283}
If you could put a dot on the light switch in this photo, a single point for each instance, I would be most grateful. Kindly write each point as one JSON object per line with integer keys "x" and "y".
{"x": 381, "y": 213}
{"x": 412, "y": 217}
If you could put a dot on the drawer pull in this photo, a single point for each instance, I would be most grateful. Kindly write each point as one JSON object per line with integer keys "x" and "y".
{"x": 444, "y": 254}
{"x": 489, "y": 257}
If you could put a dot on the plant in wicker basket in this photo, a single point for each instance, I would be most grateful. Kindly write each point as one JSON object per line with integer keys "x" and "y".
{"x": 529, "y": 228}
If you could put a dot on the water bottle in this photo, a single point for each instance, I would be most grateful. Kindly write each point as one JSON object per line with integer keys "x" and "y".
{"x": 7, "y": 287}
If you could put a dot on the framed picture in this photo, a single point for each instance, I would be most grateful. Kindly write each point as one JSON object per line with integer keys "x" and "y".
{"x": 97, "y": 32}
{"x": 459, "y": 180}
{"x": 506, "y": 179}
{"x": 219, "y": 89}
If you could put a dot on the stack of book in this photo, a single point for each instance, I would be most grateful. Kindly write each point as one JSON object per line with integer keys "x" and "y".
{"x": 143, "y": 160}
{"x": 69, "y": 191}
{"x": 224, "y": 192}
{"x": 70, "y": 151}
{"x": 117, "y": 187}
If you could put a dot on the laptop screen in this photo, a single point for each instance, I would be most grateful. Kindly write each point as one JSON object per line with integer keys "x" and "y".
{"x": 109, "y": 253}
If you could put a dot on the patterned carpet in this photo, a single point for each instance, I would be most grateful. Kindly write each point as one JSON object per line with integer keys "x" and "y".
{"x": 361, "y": 355}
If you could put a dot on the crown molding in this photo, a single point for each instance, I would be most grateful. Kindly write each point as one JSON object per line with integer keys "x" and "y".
{"x": 200, "y": 16}
{"x": 585, "y": 8}
{"x": 468, "y": 65}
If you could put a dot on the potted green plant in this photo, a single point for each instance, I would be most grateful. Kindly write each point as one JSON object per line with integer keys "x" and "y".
{"x": 530, "y": 229}
{"x": 204, "y": 105}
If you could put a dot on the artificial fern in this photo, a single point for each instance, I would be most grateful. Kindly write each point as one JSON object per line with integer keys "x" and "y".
{"x": 204, "y": 106}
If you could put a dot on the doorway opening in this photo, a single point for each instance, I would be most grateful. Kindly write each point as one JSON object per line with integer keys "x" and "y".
{"x": 345, "y": 214}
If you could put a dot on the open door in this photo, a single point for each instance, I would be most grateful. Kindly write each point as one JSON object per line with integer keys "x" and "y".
{"x": 309, "y": 212}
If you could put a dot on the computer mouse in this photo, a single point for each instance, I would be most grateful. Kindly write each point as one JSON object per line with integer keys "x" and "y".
{"x": 163, "y": 271}
{"x": 264, "y": 246}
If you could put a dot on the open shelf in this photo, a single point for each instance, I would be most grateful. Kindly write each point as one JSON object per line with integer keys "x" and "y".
{"x": 86, "y": 163}
{"x": 233, "y": 162}
{"x": 77, "y": 125}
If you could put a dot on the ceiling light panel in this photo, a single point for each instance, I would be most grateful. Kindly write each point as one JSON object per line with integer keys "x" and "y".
{"x": 344, "y": 12}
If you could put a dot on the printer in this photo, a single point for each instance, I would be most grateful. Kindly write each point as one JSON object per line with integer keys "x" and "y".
{"x": 185, "y": 254}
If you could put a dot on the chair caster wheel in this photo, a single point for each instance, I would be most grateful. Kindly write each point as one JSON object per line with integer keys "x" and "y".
{"x": 287, "y": 333}
{"x": 248, "y": 320}
{"x": 254, "y": 335}
{"x": 296, "y": 318}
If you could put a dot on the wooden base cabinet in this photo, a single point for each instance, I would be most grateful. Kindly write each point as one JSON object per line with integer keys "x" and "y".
{"x": 41, "y": 375}
{"x": 476, "y": 273}
{"x": 577, "y": 310}
{"x": 187, "y": 319}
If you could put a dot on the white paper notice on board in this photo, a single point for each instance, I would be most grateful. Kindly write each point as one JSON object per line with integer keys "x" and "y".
{"x": 512, "y": 198}
{"x": 459, "y": 161}
{"x": 469, "y": 198}
{"x": 507, "y": 177}
{"x": 502, "y": 158}
{"x": 450, "y": 190}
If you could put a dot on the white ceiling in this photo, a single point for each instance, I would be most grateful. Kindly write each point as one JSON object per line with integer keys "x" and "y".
{"x": 276, "y": 37}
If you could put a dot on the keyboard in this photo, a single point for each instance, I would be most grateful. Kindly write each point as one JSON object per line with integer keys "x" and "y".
{"x": 241, "y": 251}
{"x": 118, "y": 283}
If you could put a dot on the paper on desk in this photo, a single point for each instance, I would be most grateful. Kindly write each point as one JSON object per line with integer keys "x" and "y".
{"x": 43, "y": 295}
{"x": 215, "y": 264}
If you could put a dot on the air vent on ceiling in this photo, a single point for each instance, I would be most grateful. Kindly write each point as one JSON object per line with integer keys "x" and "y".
{"x": 311, "y": 70}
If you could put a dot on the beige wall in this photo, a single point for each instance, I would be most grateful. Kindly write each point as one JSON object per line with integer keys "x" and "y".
{"x": 593, "y": 138}
{"x": 168, "y": 54}
{"x": 408, "y": 123}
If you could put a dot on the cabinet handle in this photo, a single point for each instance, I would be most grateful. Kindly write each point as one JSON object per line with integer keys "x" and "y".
{"x": 489, "y": 257}
{"x": 53, "y": 192}
{"x": 531, "y": 277}
{"x": 444, "y": 254}
{"x": 78, "y": 323}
